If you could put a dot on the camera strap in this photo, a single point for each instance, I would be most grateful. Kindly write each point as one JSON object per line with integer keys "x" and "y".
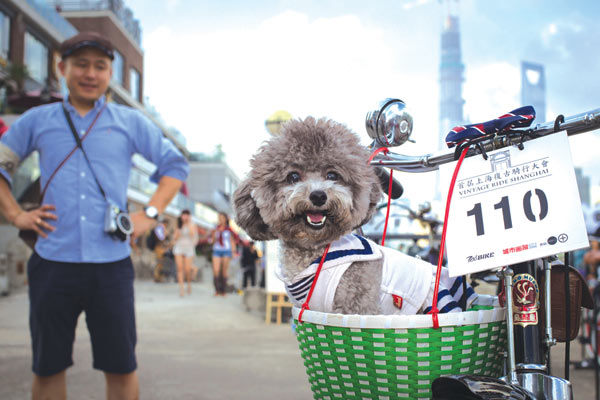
{"x": 80, "y": 145}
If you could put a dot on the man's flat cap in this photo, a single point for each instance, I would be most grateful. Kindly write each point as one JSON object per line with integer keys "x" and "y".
{"x": 86, "y": 39}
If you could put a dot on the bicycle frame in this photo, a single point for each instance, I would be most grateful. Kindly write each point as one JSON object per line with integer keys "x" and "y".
{"x": 528, "y": 345}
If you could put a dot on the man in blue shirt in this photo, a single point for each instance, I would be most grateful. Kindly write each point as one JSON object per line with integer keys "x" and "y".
{"x": 77, "y": 266}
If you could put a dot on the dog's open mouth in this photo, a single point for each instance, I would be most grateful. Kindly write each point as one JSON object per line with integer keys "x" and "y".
{"x": 315, "y": 219}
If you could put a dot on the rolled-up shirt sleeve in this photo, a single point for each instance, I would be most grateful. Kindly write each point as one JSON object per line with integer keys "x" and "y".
{"x": 152, "y": 145}
{"x": 15, "y": 145}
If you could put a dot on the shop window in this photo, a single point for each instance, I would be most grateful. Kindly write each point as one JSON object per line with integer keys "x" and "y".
{"x": 117, "y": 66}
{"x": 4, "y": 35}
{"x": 36, "y": 58}
{"x": 134, "y": 83}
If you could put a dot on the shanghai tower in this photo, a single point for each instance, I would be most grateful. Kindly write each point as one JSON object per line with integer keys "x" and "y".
{"x": 451, "y": 74}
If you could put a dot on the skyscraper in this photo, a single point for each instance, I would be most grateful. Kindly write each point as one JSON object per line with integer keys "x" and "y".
{"x": 533, "y": 88}
{"x": 451, "y": 79}
{"x": 451, "y": 73}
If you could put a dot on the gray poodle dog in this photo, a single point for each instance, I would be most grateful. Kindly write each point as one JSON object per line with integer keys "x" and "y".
{"x": 311, "y": 187}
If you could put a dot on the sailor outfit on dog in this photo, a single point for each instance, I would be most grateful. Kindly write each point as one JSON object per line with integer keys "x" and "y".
{"x": 407, "y": 283}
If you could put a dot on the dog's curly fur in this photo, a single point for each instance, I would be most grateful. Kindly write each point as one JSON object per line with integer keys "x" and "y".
{"x": 315, "y": 167}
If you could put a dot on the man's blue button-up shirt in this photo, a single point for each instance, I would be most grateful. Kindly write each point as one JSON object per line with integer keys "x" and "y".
{"x": 118, "y": 133}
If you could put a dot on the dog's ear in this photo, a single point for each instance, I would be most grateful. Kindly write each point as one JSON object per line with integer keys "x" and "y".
{"x": 374, "y": 199}
{"x": 247, "y": 215}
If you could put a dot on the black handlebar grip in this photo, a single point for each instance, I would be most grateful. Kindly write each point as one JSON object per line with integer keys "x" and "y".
{"x": 384, "y": 179}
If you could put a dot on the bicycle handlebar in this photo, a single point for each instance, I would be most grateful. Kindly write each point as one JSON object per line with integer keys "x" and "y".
{"x": 575, "y": 124}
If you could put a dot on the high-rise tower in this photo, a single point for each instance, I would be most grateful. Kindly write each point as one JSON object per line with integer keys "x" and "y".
{"x": 533, "y": 88}
{"x": 451, "y": 73}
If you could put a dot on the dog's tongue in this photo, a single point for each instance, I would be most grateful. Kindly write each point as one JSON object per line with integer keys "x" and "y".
{"x": 315, "y": 218}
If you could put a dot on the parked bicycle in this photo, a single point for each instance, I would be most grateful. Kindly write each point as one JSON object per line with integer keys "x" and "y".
{"x": 543, "y": 296}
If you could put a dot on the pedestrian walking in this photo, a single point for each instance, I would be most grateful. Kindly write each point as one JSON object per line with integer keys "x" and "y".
{"x": 223, "y": 240}
{"x": 248, "y": 261}
{"x": 159, "y": 242}
{"x": 81, "y": 260}
{"x": 184, "y": 250}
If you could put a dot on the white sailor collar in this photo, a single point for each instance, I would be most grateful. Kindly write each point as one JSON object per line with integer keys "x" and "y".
{"x": 347, "y": 249}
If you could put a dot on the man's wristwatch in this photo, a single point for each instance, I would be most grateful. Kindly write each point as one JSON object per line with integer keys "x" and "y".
{"x": 151, "y": 212}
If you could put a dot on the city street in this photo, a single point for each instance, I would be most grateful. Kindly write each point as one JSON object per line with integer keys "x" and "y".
{"x": 197, "y": 347}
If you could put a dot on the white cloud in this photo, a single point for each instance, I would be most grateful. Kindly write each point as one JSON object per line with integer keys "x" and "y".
{"x": 490, "y": 90}
{"x": 219, "y": 87}
{"x": 172, "y": 5}
{"x": 559, "y": 37}
{"x": 409, "y": 4}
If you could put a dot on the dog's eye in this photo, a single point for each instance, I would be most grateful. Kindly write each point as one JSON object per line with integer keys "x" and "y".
{"x": 293, "y": 177}
{"x": 332, "y": 176}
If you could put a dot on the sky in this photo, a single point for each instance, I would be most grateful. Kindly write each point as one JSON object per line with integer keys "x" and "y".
{"x": 216, "y": 70}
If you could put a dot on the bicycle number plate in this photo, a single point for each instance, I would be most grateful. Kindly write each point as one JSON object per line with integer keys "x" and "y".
{"x": 514, "y": 207}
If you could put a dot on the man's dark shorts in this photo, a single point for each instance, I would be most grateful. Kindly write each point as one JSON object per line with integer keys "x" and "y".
{"x": 59, "y": 292}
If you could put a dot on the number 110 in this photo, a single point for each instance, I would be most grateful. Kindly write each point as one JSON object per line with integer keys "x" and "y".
{"x": 504, "y": 205}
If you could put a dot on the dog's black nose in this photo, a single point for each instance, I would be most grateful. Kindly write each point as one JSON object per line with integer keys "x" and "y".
{"x": 318, "y": 197}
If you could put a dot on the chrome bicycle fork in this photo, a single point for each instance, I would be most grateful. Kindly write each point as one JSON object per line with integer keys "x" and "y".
{"x": 526, "y": 340}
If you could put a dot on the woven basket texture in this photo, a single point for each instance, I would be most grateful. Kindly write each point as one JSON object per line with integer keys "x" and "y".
{"x": 391, "y": 363}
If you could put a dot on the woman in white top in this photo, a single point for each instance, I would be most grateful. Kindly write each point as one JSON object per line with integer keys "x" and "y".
{"x": 184, "y": 250}
{"x": 223, "y": 241}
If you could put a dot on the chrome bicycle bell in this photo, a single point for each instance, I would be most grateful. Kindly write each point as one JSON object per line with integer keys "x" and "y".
{"x": 389, "y": 124}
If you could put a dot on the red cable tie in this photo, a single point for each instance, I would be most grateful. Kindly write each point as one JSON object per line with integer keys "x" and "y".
{"x": 379, "y": 150}
{"x": 387, "y": 213}
{"x": 434, "y": 310}
{"x": 312, "y": 287}
{"x": 385, "y": 150}
{"x": 434, "y": 317}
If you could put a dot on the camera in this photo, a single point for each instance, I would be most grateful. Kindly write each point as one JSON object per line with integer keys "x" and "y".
{"x": 117, "y": 223}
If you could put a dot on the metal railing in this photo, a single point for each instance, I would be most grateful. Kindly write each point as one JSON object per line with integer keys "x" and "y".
{"x": 122, "y": 12}
{"x": 49, "y": 13}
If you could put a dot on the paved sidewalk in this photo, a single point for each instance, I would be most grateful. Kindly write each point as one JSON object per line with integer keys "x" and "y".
{"x": 197, "y": 347}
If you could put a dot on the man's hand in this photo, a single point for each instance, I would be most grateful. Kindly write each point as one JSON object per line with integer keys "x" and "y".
{"x": 141, "y": 224}
{"x": 36, "y": 220}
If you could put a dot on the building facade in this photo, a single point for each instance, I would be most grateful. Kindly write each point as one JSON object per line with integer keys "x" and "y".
{"x": 533, "y": 88}
{"x": 213, "y": 183}
{"x": 114, "y": 21}
{"x": 584, "y": 186}
{"x": 451, "y": 78}
{"x": 30, "y": 33}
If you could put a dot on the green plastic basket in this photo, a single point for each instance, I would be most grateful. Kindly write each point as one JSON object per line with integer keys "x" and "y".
{"x": 396, "y": 356}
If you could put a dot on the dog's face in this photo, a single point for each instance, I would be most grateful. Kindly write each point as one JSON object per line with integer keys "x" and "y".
{"x": 308, "y": 186}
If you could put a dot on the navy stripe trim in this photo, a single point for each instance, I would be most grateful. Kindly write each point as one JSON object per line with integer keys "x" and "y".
{"x": 470, "y": 292}
{"x": 302, "y": 288}
{"x": 366, "y": 250}
{"x": 456, "y": 285}
{"x": 454, "y": 304}
{"x": 447, "y": 308}
{"x": 442, "y": 294}
{"x": 300, "y": 282}
{"x": 300, "y": 298}
{"x": 450, "y": 306}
